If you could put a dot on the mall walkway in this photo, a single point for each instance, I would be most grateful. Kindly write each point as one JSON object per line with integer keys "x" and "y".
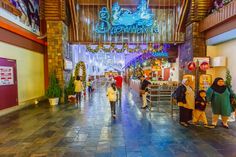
{"x": 88, "y": 131}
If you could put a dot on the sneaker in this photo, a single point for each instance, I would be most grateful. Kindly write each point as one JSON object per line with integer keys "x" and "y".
{"x": 196, "y": 124}
{"x": 209, "y": 126}
{"x": 212, "y": 125}
{"x": 190, "y": 123}
{"x": 114, "y": 116}
{"x": 184, "y": 124}
{"x": 224, "y": 126}
{"x": 144, "y": 107}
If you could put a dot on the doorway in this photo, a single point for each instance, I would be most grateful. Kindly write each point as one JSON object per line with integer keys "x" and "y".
{"x": 8, "y": 83}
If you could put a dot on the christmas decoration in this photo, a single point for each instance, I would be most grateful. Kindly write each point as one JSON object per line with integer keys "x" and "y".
{"x": 217, "y": 4}
{"x": 204, "y": 66}
{"x": 191, "y": 66}
{"x": 54, "y": 89}
{"x": 78, "y": 67}
{"x": 228, "y": 80}
{"x": 125, "y": 47}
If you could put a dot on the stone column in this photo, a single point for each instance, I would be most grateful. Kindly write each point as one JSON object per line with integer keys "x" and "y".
{"x": 194, "y": 46}
{"x": 57, "y": 37}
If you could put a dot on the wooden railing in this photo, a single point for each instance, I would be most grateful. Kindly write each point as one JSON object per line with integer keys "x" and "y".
{"x": 218, "y": 17}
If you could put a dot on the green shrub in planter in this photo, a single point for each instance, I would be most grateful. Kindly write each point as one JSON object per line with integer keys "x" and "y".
{"x": 70, "y": 88}
{"x": 54, "y": 90}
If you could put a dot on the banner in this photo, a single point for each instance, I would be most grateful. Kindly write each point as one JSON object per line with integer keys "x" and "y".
{"x": 6, "y": 76}
{"x": 24, "y": 13}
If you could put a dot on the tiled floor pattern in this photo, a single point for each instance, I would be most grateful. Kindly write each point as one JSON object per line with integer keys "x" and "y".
{"x": 89, "y": 131}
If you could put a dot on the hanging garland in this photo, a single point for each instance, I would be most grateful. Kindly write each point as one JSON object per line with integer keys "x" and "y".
{"x": 82, "y": 66}
{"x": 124, "y": 47}
{"x": 138, "y": 72}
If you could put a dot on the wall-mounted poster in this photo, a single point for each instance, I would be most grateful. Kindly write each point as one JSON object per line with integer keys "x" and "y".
{"x": 24, "y": 13}
{"x": 205, "y": 81}
{"x": 6, "y": 76}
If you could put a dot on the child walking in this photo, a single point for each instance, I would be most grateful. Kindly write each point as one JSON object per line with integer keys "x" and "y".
{"x": 89, "y": 84}
{"x": 112, "y": 97}
{"x": 199, "y": 113}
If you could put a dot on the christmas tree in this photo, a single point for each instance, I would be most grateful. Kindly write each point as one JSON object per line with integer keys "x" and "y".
{"x": 54, "y": 89}
{"x": 228, "y": 80}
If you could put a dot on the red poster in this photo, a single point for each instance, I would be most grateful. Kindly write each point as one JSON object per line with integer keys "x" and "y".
{"x": 6, "y": 76}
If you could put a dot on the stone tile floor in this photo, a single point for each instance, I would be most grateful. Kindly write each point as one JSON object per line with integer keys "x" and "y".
{"x": 89, "y": 131}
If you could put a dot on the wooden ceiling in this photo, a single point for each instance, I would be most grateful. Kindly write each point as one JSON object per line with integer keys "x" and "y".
{"x": 152, "y": 3}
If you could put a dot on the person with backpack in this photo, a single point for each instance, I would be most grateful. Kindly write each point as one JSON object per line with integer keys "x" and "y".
{"x": 219, "y": 95}
{"x": 186, "y": 102}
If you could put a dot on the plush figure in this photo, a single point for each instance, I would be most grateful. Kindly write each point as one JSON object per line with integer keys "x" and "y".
{"x": 218, "y": 4}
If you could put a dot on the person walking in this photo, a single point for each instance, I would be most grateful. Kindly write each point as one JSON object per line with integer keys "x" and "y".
{"x": 89, "y": 84}
{"x": 219, "y": 96}
{"x": 144, "y": 90}
{"x": 78, "y": 88}
{"x": 119, "y": 81}
{"x": 199, "y": 114}
{"x": 112, "y": 97}
{"x": 186, "y": 102}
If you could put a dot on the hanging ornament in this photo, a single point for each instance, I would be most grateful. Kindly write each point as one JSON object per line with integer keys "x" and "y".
{"x": 191, "y": 66}
{"x": 204, "y": 66}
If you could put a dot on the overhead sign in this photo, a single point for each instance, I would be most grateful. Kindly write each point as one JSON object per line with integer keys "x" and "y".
{"x": 6, "y": 76}
{"x": 160, "y": 54}
{"x": 126, "y": 21}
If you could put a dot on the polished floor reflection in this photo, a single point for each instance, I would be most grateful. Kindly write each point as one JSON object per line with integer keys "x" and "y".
{"x": 89, "y": 131}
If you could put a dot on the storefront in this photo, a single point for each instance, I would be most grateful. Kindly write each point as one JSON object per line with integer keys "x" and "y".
{"x": 223, "y": 57}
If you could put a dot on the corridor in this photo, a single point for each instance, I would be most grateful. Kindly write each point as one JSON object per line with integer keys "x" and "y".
{"x": 89, "y": 131}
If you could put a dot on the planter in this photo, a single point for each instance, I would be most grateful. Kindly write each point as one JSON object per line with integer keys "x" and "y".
{"x": 72, "y": 98}
{"x": 53, "y": 101}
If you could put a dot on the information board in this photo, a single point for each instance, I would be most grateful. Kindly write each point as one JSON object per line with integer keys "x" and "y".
{"x": 6, "y": 76}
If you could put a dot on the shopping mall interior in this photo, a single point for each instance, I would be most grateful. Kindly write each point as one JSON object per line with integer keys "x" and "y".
{"x": 71, "y": 78}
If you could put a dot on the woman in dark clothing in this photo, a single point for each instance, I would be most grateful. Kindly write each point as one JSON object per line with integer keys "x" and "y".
{"x": 219, "y": 96}
{"x": 185, "y": 100}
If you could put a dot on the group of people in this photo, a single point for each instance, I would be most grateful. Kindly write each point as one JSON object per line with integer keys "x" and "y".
{"x": 192, "y": 110}
{"x": 113, "y": 92}
{"x": 79, "y": 87}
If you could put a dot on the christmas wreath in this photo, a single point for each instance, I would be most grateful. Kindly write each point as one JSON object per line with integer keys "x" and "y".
{"x": 82, "y": 66}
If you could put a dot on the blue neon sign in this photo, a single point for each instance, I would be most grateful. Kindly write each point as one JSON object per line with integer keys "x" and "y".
{"x": 160, "y": 54}
{"x": 126, "y": 21}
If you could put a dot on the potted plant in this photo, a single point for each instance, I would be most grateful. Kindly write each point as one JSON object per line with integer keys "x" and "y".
{"x": 70, "y": 89}
{"x": 54, "y": 90}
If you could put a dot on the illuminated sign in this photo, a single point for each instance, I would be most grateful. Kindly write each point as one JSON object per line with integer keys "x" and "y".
{"x": 160, "y": 54}
{"x": 126, "y": 21}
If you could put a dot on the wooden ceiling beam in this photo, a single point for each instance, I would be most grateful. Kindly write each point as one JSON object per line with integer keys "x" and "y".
{"x": 152, "y": 3}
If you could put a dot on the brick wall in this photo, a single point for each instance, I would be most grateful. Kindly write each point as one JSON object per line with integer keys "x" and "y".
{"x": 57, "y": 37}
